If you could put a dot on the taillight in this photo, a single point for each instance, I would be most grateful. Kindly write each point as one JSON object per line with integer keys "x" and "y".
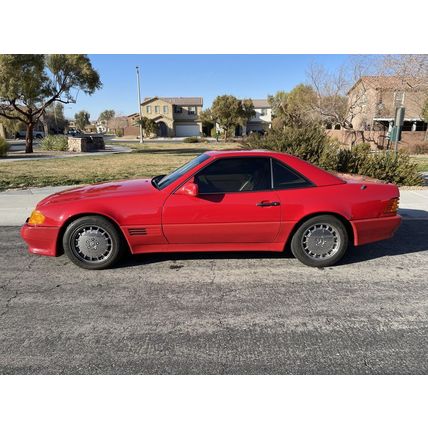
{"x": 391, "y": 207}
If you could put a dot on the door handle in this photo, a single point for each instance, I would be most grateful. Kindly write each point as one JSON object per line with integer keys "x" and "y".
{"x": 268, "y": 204}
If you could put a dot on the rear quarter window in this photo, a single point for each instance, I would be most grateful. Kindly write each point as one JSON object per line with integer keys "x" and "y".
{"x": 286, "y": 178}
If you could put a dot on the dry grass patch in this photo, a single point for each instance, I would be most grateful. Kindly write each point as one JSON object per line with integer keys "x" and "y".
{"x": 146, "y": 161}
{"x": 421, "y": 162}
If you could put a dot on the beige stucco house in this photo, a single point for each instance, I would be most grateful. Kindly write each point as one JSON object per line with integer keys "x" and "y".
{"x": 176, "y": 117}
{"x": 374, "y": 99}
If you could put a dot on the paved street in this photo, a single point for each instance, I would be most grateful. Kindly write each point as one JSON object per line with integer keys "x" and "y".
{"x": 218, "y": 313}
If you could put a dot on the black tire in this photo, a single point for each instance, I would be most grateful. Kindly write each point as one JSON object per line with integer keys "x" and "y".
{"x": 101, "y": 245}
{"x": 320, "y": 241}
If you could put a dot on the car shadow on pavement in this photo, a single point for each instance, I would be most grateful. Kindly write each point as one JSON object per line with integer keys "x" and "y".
{"x": 411, "y": 237}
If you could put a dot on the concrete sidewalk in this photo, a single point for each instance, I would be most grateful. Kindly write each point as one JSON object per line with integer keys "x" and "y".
{"x": 16, "y": 205}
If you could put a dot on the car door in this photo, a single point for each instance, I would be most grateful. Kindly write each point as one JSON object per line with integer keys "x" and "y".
{"x": 235, "y": 204}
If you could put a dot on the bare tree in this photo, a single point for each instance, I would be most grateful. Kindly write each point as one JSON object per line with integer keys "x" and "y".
{"x": 117, "y": 124}
{"x": 333, "y": 103}
{"x": 411, "y": 74}
{"x": 339, "y": 100}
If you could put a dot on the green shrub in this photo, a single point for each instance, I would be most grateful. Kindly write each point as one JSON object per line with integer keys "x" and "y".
{"x": 393, "y": 168}
{"x": 4, "y": 147}
{"x": 214, "y": 132}
{"x": 192, "y": 140}
{"x": 307, "y": 143}
{"x": 55, "y": 142}
{"x": 119, "y": 132}
{"x": 311, "y": 143}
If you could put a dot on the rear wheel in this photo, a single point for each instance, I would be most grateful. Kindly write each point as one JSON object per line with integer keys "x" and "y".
{"x": 92, "y": 242}
{"x": 320, "y": 241}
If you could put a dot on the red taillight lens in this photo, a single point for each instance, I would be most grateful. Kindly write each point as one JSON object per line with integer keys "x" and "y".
{"x": 392, "y": 206}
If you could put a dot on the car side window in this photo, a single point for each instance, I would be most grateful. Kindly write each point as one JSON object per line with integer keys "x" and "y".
{"x": 285, "y": 178}
{"x": 235, "y": 175}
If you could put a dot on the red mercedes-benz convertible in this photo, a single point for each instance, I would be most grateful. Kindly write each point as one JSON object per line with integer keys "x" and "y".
{"x": 219, "y": 201}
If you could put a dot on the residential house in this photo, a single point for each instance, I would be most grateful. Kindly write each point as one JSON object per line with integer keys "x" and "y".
{"x": 91, "y": 128}
{"x": 374, "y": 100}
{"x": 101, "y": 126}
{"x": 262, "y": 120}
{"x": 176, "y": 117}
{"x": 132, "y": 129}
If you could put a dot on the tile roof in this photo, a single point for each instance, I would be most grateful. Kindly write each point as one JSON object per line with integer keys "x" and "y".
{"x": 179, "y": 101}
{"x": 261, "y": 103}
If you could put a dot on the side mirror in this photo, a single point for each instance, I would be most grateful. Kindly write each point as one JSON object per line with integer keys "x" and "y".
{"x": 189, "y": 189}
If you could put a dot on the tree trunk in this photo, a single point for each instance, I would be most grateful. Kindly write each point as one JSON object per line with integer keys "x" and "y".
{"x": 225, "y": 135}
{"x": 29, "y": 138}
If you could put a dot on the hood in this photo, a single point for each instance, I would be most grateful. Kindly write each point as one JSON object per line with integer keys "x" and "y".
{"x": 101, "y": 190}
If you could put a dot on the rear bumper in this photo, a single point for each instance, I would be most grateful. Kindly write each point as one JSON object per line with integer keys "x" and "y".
{"x": 40, "y": 239}
{"x": 374, "y": 229}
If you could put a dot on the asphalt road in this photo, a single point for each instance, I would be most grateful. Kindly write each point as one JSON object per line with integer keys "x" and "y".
{"x": 218, "y": 313}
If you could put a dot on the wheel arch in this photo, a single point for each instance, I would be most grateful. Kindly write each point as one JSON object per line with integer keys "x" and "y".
{"x": 70, "y": 219}
{"x": 340, "y": 217}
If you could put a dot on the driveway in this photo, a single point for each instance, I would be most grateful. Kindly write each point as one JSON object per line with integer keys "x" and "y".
{"x": 218, "y": 313}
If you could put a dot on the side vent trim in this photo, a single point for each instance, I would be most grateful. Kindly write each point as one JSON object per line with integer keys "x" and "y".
{"x": 137, "y": 231}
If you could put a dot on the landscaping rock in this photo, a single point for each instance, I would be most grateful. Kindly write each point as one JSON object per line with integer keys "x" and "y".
{"x": 86, "y": 143}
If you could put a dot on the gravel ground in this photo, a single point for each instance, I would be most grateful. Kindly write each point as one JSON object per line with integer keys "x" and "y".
{"x": 218, "y": 313}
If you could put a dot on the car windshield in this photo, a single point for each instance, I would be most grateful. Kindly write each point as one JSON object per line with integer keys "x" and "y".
{"x": 170, "y": 178}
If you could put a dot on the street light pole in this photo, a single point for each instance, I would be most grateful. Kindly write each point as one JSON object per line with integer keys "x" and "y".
{"x": 139, "y": 103}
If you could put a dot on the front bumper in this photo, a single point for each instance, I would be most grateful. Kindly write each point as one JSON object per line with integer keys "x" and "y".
{"x": 41, "y": 239}
{"x": 374, "y": 229}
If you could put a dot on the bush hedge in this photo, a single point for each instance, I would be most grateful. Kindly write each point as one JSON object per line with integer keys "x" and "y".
{"x": 4, "y": 147}
{"x": 55, "y": 142}
{"x": 191, "y": 140}
{"x": 313, "y": 145}
{"x": 194, "y": 140}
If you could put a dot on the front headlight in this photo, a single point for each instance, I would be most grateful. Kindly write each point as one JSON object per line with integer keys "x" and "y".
{"x": 36, "y": 218}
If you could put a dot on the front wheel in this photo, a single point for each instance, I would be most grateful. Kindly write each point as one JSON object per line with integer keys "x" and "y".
{"x": 92, "y": 242}
{"x": 320, "y": 241}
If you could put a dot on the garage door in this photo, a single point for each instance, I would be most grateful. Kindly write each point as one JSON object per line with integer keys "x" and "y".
{"x": 186, "y": 130}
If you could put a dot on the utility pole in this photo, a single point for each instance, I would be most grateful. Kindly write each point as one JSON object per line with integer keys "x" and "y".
{"x": 139, "y": 103}
{"x": 398, "y": 125}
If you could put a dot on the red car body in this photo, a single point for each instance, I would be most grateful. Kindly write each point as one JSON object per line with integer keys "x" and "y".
{"x": 172, "y": 220}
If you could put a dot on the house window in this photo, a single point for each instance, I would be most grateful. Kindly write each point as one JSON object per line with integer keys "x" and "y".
{"x": 156, "y": 109}
{"x": 398, "y": 98}
{"x": 264, "y": 112}
{"x": 148, "y": 109}
{"x": 165, "y": 109}
{"x": 192, "y": 110}
{"x": 177, "y": 109}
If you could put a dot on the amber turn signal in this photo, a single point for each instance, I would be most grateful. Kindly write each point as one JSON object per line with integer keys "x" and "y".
{"x": 392, "y": 206}
{"x": 36, "y": 218}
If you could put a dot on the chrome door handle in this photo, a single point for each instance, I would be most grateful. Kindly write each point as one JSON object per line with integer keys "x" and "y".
{"x": 268, "y": 204}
